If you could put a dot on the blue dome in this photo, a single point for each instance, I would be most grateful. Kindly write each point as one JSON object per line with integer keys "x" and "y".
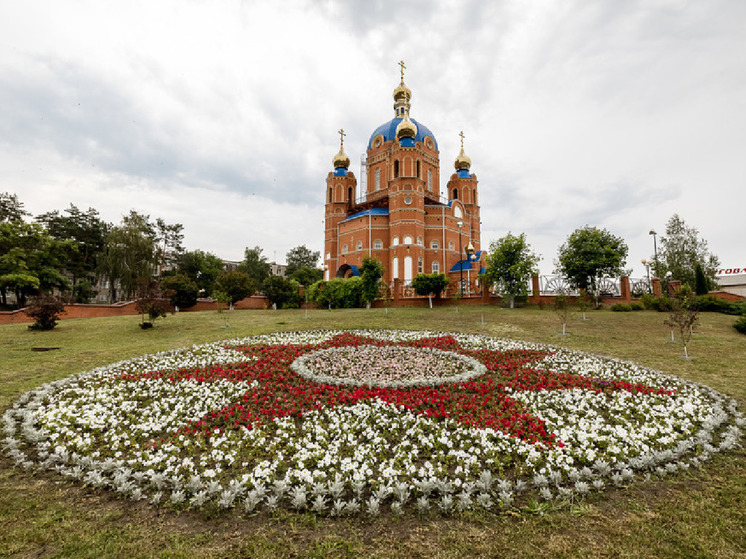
{"x": 388, "y": 130}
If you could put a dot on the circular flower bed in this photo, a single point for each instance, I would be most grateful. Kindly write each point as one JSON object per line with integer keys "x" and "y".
{"x": 367, "y": 421}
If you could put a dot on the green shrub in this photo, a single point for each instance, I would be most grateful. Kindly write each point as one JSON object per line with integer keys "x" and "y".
{"x": 647, "y": 301}
{"x": 740, "y": 325}
{"x": 710, "y": 303}
{"x": 337, "y": 293}
{"x": 662, "y": 304}
{"x": 637, "y": 306}
{"x": 621, "y": 307}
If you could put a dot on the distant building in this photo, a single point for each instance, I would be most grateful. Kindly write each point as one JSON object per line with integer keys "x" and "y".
{"x": 400, "y": 217}
{"x": 732, "y": 280}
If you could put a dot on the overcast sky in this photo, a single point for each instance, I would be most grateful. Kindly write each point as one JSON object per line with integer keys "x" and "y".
{"x": 223, "y": 116}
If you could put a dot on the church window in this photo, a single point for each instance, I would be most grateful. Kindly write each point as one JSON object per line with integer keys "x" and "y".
{"x": 455, "y": 193}
{"x": 395, "y": 266}
{"x": 395, "y": 241}
{"x": 344, "y": 249}
{"x": 474, "y": 197}
{"x": 328, "y": 255}
{"x": 436, "y": 267}
{"x": 408, "y": 240}
{"x": 378, "y": 178}
{"x": 349, "y": 193}
{"x": 378, "y": 244}
{"x": 330, "y": 196}
{"x": 430, "y": 179}
{"x": 458, "y": 214}
{"x": 419, "y": 265}
{"x": 419, "y": 241}
{"x": 435, "y": 245}
{"x": 396, "y": 168}
{"x": 360, "y": 245}
{"x": 450, "y": 245}
{"x": 418, "y": 168}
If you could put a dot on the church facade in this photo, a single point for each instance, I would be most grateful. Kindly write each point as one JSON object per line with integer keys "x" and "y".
{"x": 399, "y": 216}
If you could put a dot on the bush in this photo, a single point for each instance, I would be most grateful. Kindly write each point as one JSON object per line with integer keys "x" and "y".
{"x": 621, "y": 307}
{"x": 662, "y": 304}
{"x": 635, "y": 306}
{"x": 45, "y": 309}
{"x": 338, "y": 293}
{"x": 740, "y": 325}
{"x": 647, "y": 301}
{"x": 710, "y": 303}
{"x": 281, "y": 292}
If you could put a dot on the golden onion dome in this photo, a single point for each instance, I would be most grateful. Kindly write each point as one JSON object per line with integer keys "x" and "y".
{"x": 402, "y": 92}
{"x": 341, "y": 159}
{"x": 406, "y": 128}
{"x": 463, "y": 161}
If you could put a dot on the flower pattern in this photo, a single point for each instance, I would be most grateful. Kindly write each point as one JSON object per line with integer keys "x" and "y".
{"x": 355, "y": 422}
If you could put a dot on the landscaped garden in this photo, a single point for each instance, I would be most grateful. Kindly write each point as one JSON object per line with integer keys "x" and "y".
{"x": 360, "y": 432}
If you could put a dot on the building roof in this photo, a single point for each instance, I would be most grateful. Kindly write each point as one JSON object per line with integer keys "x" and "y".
{"x": 372, "y": 211}
{"x": 388, "y": 130}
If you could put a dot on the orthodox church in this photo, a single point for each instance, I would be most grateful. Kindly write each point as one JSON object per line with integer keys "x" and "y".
{"x": 398, "y": 216}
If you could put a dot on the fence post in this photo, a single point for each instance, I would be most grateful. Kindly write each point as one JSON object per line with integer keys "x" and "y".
{"x": 624, "y": 288}
{"x": 657, "y": 289}
{"x": 535, "y": 290}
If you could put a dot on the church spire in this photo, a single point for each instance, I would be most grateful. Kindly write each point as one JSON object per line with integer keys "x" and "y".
{"x": 463, "y": 162}
{"x": 341, "y": 161}
{"x": 402, "y": 96}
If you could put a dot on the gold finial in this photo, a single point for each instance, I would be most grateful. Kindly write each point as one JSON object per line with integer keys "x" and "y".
{"x": 341, "y": 159}
{"x": 401, "y": 63}
{"x": 462, "y": 139}
{"x": 342, "y": 135}
{"x": 463, "y": 162}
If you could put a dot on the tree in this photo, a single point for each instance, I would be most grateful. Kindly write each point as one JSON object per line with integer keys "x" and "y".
{"x": 236, "y": 285}
{"x": 684, "y": 314}
{"x": 181, "y": 290}
{"x": 129, "y": 255}
{"x": 201, "y": 267}
{"x": 371, "y": 272}
{"x": 168, "y": 245}
{"x": 150, "y": 301}
{"x": 306, "y": 276}
{"x": 511, "y": 263}
{"x": 11, "y": 209}
{"x": 429, "y": 284}
{"x": 30, "y": 261}
{"x": 700, "y": 280}
{"x": 281, "y": 292}
{"x": 301, "y": 257}
{"x": 255, "y": 265}
{"x": 561, "y": 307}
{"x": 681, "y": 249}
{"x": 588, "y": 255}
{"x": 87, "y": 235}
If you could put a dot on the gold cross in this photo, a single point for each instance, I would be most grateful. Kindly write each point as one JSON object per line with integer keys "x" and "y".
{"x": 401, "y": 63}
{"x": 342, "y": 136}
{"x": 462, "y": 138}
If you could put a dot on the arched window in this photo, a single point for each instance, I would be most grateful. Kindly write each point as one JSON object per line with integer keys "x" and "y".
{"x": 349, "y": 194}
{"x": 408, "y": 269}
{"x": 430, "y": 179}
{"x": 396, "y": 168}
{"x": 436, "y": 267}
{"x": 330, "y": 195}
{"x": 418, "y": 168}
{"x": 455, "y": 193}
{"x": 378, "y": 178}
{"x": 360, "y": 245}
{"x": 395, "y": 241}
{"x": 419, "y": 241}
{"x": 419, "y": 265}
{"x": 378, "y": 244}
{"x": 457, "y": 213}
{"x": 408, "y": 240}
{"x": 395, "y": 266}
{"x": 435, "y": 245}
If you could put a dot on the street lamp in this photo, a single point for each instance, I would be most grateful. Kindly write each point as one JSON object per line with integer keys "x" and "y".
{"x": 655, "y": 249}
{"x": 470, "y": 258}
{"x": 461, "y": 263}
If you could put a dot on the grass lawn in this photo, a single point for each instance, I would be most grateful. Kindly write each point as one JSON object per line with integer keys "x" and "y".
{"x": 697, "y": 513}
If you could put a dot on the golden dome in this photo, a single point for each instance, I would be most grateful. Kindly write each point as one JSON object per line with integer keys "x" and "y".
{"x": 406, "y": 128}
{"x": 341, "y": 159}
{"x": 463, "y": 161}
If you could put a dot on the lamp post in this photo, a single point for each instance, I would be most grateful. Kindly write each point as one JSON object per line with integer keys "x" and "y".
{"x": 470, "y": 258}
{"x": 655, "y": 250}
{"x": 460, "y": 264}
